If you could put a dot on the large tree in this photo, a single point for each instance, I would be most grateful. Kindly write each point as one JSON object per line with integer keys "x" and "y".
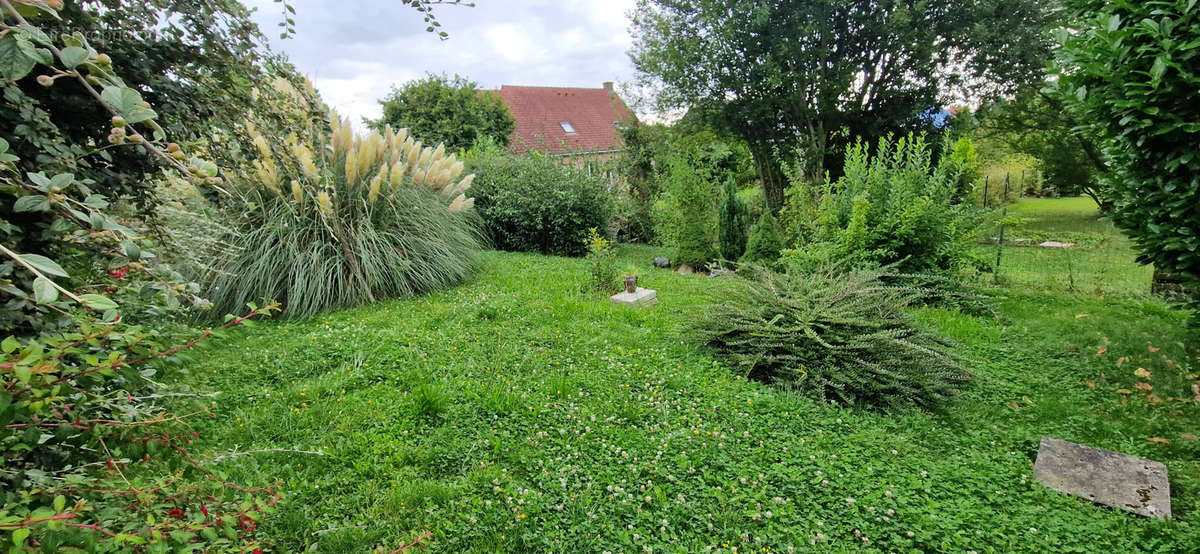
{"x": 448, "y": 110}
{"x": 798, "y": 79}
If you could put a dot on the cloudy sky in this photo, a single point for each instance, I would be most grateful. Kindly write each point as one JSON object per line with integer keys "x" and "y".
{"x": 355, "y": 51}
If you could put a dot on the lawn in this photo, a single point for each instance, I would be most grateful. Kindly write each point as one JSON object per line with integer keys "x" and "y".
{"x": 517, "y": 413}
{"x": 1100, "y": 264}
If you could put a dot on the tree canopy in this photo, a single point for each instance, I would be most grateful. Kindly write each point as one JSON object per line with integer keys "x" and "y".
{"x": 799, "y": 79}
{"x": 448, "y": 110}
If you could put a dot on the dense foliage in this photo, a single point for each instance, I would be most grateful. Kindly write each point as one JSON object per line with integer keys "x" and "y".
{"x": 765, "y": 242}
{"x": 94, "y": 460}
{"x": 797, "y": 79}
{"x": 1039, "y": 125}
{"x": 536, "y": 204}
{"x": 447, "y": 110}
{"x": 339, "y": 220}
{"x": 686, "y": 215}
{"x": 1130, "y": 75}
{"x": 892, "y": 207}
{"x": 196, "y": 62}
{"x": 733, "y": 224}
{"x": 834, "y": 335}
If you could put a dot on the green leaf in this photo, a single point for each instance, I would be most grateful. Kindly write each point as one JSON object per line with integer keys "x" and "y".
{"x": 32, "y": 203}
{"x": 32, "y": 8}
{"x": 44, "y": 291}
{"x": 131, "y": 250}
{"x": 40, "y": 179}
{"x": 23, "y": 373}
{"x": 39, "y": 55}
{"x": 95, "y": 202}
{"x": 120, "y": 98}
{"x": 9, "y": 345}
{"x": 5, "y": 400}
{"x": 14, "y": 64}
{"x": 127, "y": 101}
{"x": 60, "y": 502}
{"x": 61, "y": 181}
{"x": 44, "y": 264}
{"x": 1159, "y": 69}
{"x": 72, "y": 56}
{"x": 19, "y": 535}
{"x": 98, "y": 302}
{"x": 139, "y": 114}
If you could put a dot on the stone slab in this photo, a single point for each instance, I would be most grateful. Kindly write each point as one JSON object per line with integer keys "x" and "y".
{"x": 685, "y": 269}
{"x": 640, "y": 297}
{"x": 1056, "y": 244}
{"x": 1132, "y": 484}
{"x": 662, "y": 262}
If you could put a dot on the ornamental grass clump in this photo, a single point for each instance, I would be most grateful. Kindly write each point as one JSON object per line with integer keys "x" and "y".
{"x": 344, "y": 219}
{"x": 834, "y": 335}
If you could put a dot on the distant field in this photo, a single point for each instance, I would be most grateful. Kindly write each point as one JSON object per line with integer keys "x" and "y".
{"x": 1101, "y": 262}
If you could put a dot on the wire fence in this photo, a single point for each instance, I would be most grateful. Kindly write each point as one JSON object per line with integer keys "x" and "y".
{"x": 1058, "y": 244}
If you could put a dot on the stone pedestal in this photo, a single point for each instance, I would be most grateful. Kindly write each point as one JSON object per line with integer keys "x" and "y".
{"x": 640, "y": 297}
{"x": 1132, "y": 484}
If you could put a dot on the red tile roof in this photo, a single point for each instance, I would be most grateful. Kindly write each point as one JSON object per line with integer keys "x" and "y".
{"x": 539, "y": 112}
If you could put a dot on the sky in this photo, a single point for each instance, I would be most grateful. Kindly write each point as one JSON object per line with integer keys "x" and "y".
{"x": 354, "y": 52}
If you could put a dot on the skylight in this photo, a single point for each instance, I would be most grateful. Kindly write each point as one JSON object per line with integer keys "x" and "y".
{"x": 567, "y": 128}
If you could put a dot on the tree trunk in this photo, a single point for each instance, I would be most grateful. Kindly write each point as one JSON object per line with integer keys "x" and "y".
{"x": 770, "y": 173}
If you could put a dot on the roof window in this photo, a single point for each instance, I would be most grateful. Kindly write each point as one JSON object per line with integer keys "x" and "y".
{"x": 567, "y": 128}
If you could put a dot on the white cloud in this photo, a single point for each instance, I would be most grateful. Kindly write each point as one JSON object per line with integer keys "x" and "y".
{"x": 355, "y": 52}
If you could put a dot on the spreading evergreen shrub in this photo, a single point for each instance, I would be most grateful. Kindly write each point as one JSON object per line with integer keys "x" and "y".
{"x": 733, "y": 223}
{"x": 832, "y": 334}
{"x": 535, "y": 203}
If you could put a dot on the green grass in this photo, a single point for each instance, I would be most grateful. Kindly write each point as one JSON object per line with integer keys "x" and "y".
{"x": 1101, "y": 263}
{"x": 517, "y": 414}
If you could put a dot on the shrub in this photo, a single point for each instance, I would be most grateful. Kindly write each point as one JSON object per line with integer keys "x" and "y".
{"x": 765, "y": 242}
{"x": 106, "y": 466}
{"x": 963, "y": 164}
{"x": 834, "y": 335}
{"x": 1130, "y": 74}
{"x": 693, "y": 222}
{"x": 895, "y": 207}
{"x": 602, "y": 263}
{"x": 734, "y": 220}
{"x": 345, "y": 220}
{"x": 535, "y": 204}
{"x": 632, "y": 220}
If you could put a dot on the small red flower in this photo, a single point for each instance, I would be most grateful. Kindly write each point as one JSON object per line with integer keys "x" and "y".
{"x": 120, "y": 272}
{"x": 204, "y": 509}
{"x": 176, "y": 513}
{"x": 246, "y": 523}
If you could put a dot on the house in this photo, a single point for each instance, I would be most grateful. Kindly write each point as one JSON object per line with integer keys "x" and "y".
{"x": 580, "y": 124}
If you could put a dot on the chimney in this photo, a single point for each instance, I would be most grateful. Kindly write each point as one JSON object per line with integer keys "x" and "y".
{"x": 608, "y": 85}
